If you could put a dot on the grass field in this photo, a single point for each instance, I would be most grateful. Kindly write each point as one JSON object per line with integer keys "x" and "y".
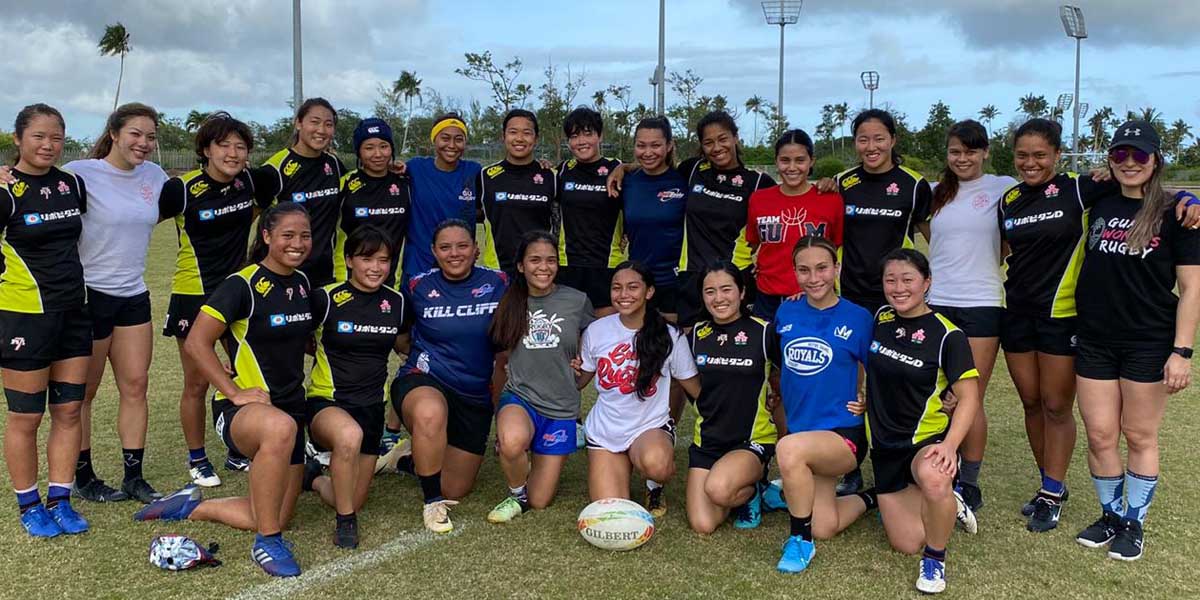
{"x": 541, "y": 555}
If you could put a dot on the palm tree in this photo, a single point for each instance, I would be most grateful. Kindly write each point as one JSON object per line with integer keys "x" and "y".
{"x": 1034, "y": 106}
{"x": 988, "y": 114}
{"x": 1150, "y": 115}
{"x": 841, "y": 112}
{"x": 1175, "y": 136}
{"x": 116, "y": 43}
{"x": 409, "y": 87}
{"x": 194, "y": 120}
{"x": 1099, "y": 123}
{"x": 754, "y": 105}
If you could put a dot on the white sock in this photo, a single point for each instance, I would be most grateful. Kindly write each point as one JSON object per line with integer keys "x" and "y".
{"x": 520, "y": 493}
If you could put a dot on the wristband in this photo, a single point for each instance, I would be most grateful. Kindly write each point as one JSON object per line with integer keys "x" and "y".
{"x": 1191, "y": 198}
{"x": 1183, "y": 351}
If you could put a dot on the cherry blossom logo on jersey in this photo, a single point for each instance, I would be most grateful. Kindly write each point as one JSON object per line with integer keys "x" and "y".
{"x": 147, "y": 194}
{"x": 394, "y": 190}
{"x": 1052, "y": 191}
{"x": 328, "y": 169}
{"x": 63, "y": 188}
{"x": 237, "y": 184}
{"x": 602, "y": 171}
{"x": 303, "y": 293}
{"x": 619, "y": 371}
{"x": 537, "y": 178}
{"x": 385, "y": 307}
{"x": 741, "y": 338}
{"x": 893, "y": 189}
{"x": 918, "y": 336}
{"x": 981, "y": 201}
{"x": 737, "y": 180}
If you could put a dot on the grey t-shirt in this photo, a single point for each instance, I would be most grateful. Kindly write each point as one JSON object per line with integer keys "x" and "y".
{"x": 539, "y": 368}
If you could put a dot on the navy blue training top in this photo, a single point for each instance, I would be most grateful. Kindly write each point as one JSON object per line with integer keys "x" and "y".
{"x": 436, "y": 196}
{"x": 654, "y": 209}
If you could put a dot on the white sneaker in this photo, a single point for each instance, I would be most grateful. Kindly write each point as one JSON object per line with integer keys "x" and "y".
{"x": 933, "y": 576}
{"x": 962, "y": 512}
{"x": 437, "y": 516}
{"x": 204, "y": 475}
{"x": 311, "y": 451}
{"x": 389, "y": 460}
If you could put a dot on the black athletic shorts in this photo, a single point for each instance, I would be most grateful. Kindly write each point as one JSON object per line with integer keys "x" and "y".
{"x": 893, "y": 466}
{"x": 766, "y": 305}
{"x": 689, "y": 304}
{"x": 975, "y": 321}
{"x": 666, "y": 299}
{"x": 467, "y": 424}
{"x": 596, "y": 282}
{"x": 1024, "y": 333}
{"x": 224, "y": 412}
{"x": 33, "y": 341}
{"x": 871, "y": 303}
{"x": 108, "y": 311}
{"x": 369, "y": 419}
{"x": 1108, "y": 360}
{"x": 181, "y": 315}
{"x": 856, "y": 440}
{"x": 705, "y": 458}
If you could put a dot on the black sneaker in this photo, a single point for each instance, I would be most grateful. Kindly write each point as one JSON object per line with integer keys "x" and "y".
{"x": 96, "y": 491}
{"x": 1046, "y": 510}
{"x": 237, "y": 463}
{"x": 312, "y": 470}
{"x": 140, "y": 490}
{"x": 972, "y": 496}
{"x": 1027, "y": 509}
{"x": 345, "y": 535}
{"x": 656, "y": 505}
{"x": 851, "y": 483}
{"x": 1100, "y": 533}
{"x": 1127, "y": 545}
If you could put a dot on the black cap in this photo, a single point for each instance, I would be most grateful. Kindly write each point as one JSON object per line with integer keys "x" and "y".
{"x": 1137, "y": 134}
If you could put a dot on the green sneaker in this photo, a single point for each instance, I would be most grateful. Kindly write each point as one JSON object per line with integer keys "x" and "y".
{"x": 506, "y": 511}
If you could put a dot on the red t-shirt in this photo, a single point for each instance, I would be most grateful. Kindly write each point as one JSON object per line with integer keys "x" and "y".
{"x": 776, "y": 222}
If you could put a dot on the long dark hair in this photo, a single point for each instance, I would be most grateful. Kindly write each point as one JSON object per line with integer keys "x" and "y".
{"x": 116, "y": 121}
{"x": 721, "y": 266}
{"x": 661, "y": 124}
{"x": 266, "y": 223}
{"x": 883, "y": 117}
{"x": 652, "y": 343}
{"x": 25, "y": 117}
{"x": 719, "y": 118}
{"x": 511, "y": 321}
{"x": 969, "y": 133}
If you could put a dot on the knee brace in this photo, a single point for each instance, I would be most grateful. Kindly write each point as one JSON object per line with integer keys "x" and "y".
{"x": 25, "y": 402}
{"x": 62, "y": 393}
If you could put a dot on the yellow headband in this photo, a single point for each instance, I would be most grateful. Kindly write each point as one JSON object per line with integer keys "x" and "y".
{"x": 444, "y": 123}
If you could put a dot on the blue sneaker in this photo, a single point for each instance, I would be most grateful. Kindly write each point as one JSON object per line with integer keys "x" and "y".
{"x": 68, "y": 520}
{"x": 173, "y": 507}
{"x": 749, "y": 515}
{"x": 772, "y": 497}
{"x": 39, "y": 523}
{"x": 797, "y": 553}
{"x": 274, "y": 555}
{"x": 933, "y": 576}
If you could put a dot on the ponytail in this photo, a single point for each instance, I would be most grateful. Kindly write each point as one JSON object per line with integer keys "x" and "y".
{"x": 973, "y": 136}
{"x": 266, "y": 224}
{"x": 511, "y": 320}
{"x": 652, "y": 343}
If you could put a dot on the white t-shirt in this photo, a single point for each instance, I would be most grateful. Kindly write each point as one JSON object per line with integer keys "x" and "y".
{"x": 122, "y": 210}
{"x": 619, "y": 416}
{"x": 964, "y": 253}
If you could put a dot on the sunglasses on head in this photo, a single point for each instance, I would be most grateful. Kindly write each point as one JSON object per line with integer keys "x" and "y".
{"x": 1120, "y": 155}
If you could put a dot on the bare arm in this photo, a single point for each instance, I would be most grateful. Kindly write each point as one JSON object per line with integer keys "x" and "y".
{"x": 200, "y": 346}
{"x": 691, "y": 386}
{"x": 1177, "y": 373}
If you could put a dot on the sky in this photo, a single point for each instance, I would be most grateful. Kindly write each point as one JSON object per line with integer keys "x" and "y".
{"x": 237, "y": 56}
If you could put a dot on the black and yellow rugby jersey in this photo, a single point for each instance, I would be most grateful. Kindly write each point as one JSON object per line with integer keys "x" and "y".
{"x": 1044, "y": 226}
{"x": 41, "y": 217}
{"x": 733, "y": 365}
{"x": 213, "y": 222}
{"x": 385, "y": 202}
{"x": 589, "y": 232}
{"x": 714, "y": 223}
{"x": 911, "y": 364}
{"x": 514, "y": 199}
{"x": 314, "y": 183}
{"x": 269, "y": 319}
{"x": 355, "y": 336}
{"x": 882, "y": 211}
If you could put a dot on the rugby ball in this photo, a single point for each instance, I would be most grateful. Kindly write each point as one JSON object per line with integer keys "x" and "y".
{"x": 616, "y": 524}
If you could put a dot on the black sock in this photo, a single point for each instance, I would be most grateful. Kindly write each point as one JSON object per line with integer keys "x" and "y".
{"x": 935, "y": 554}
{"x": 431, "y": 487}
{"x": 869, "y": 497}
{"x": 350, "y": 518}
{"x": 133, "y": 462}
{"x": 83, "y": 468}
{"x": 802, "y": 526}
{"x": 405, "y": 465}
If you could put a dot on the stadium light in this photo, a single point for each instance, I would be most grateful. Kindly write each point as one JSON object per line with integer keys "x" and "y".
{"x": 870, "y": 81}
{"x": 1064, "y": 103}
{"x": 1083, "y": 110}
{"x": 1075, "y": 27}
{"x": 781, "y": 13}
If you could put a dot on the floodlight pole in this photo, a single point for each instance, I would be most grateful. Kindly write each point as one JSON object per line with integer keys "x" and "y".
{"x": 660, "y": 73}
{"x": 870, "y": 82}
{"x": 297, "y": 58}
{"x": 1075, "y": 127}
{"x": 781, "y": 13}
{"x": 779, "y": 106}
{"x": 1076, "y": 27}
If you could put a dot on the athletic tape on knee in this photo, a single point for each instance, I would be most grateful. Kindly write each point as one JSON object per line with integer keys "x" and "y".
{"x": 25, "y": 402}
{"x": 61, "y": 393}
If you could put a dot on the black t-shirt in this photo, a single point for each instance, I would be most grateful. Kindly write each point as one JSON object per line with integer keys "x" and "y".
{"x": 314, "y": 183}
{"x": 269, "y": 318}
{"x": 385, "y": 202}
{"x": 1044, "y": 227}
{"x": 911, "y": 364}
{"x": 42, "y": 219}
{"x": 1130, "y": 297}
{"x": 213, "y": 222}
{"x": 355, "y": 336}
{"x": 733, "y": 365}
{"x": 515, "y": 199}
{"x": 589, "y": 233}
{"x": 714, "y": 225}
{"x": 882, "y": 211}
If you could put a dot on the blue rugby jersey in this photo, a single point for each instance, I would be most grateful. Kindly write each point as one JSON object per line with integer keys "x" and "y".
{"x": 436, "y": 196}
{"x": 654, "y": 208}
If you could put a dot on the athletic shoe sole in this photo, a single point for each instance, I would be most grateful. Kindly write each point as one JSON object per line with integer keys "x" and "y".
{"x": 388, "y": 462}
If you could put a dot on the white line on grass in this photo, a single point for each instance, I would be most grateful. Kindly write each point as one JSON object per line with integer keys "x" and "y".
{"x": 403, "y": 544}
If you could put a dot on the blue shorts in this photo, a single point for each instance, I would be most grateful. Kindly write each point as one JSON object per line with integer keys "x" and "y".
{"x": 550, "y": 436}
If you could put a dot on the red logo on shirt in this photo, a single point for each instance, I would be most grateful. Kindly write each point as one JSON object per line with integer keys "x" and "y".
{"x": 619, "y": 370}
